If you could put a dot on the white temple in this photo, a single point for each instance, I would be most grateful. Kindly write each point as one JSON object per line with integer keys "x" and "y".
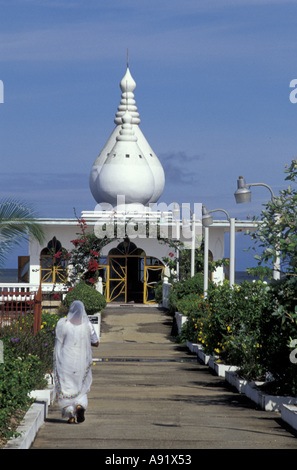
{"x": 126, "y": 181}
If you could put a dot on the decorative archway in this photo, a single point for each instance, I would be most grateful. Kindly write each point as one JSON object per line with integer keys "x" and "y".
{"x": 129, "y": 275}
{"x": 53, "y": 269}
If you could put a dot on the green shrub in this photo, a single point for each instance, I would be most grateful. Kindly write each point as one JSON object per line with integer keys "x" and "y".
{"x": 159, "y": 292}
{"x": 277, "y": 328}
{"x": 91, "y": 298}
{"x": 228, "y": 324}
{"x": 189, "y": 304}
{"x": 26, "y": 360}
{"x": 196, "y": 309}
{"x": 194, "y": 285}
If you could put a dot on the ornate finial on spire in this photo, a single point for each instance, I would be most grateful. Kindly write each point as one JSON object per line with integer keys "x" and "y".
{"x": 127, "y": 86}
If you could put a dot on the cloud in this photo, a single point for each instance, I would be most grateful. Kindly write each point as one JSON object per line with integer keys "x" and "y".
{"x": 52, "y": 194}
{"x": 180, "y": 168}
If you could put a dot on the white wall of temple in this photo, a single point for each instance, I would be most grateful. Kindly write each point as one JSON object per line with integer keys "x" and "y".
{"x": 62, "y": 233}
{"x": 151, "y": 246}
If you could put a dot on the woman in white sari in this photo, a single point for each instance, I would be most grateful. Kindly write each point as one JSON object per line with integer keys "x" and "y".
{"x": 72, "y": 361}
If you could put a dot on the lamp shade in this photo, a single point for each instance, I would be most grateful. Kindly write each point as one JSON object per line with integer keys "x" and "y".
{"x": 207, "y": 219}
{"x": 243, "y": 193}
{"x": 176, "y": 210}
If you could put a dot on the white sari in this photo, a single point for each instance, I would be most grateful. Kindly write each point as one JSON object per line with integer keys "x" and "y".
{"x": 73, "y": 359}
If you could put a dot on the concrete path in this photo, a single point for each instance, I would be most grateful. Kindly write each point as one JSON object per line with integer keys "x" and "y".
{"x": 150, "y": 393}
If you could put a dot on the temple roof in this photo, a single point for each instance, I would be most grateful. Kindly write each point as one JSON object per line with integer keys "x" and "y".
{"x": 127, "y": 166}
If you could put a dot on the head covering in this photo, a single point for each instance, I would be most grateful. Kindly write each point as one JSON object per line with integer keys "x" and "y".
{"x": 77, "y": 313}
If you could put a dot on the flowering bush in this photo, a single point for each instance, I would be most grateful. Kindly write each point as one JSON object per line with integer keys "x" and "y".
{"x": 85, "y": 256}
{"x": 228, "y": 325}
{"x": 27, "y": 359}
{"x": 196, "y": 310}
{"x": 250, "y": 326}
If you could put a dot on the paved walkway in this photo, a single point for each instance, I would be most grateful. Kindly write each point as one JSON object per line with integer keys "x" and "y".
{"x": 151, "y": 393}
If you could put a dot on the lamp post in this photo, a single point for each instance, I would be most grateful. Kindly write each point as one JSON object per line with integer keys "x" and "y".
{"x": 176, "y": 214}
{"x": 207, "y": 220}
{"x": 244, "y": 195}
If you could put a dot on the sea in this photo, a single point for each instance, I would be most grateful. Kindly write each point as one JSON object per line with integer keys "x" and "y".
{"x": 8, "y": 275}
{"x": 11, "y": 275}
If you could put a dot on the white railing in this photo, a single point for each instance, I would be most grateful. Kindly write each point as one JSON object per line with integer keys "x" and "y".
{"x": 27, "y": 287}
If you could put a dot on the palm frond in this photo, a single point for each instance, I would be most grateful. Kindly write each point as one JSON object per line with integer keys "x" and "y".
{"x": 18, "y": 220}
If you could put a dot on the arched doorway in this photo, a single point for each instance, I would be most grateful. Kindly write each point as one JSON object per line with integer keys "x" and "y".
{"x": 53, "y": 269}
{"x": 129, "y": 275}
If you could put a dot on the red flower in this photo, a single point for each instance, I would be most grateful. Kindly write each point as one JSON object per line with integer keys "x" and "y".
{"x": 93, "y": 265}
{"x": 57, "y": 255}
{"x": 94, "y": 253}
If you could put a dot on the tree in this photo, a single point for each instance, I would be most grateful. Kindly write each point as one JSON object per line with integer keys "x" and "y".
{"x": 185, "y": 260}
{"x": 17, "y": 221}
{"x": 276, "y": 235}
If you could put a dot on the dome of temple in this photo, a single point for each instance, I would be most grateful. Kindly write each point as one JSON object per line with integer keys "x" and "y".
{"x": 127, "y": 166}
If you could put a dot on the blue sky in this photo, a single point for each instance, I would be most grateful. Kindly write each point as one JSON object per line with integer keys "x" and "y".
{"x": 212, "y": 92}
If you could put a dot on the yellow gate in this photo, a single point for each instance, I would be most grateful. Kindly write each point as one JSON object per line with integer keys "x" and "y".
{"x": 117, "y": 281}
{"x": 152, "y": 275}
{"x": 130, "y": 276}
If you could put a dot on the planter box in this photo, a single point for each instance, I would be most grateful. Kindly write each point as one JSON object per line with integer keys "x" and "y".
{"x": 211, "y": 362}
{"x": 262, "y": 400}
{"x": 289, "y": 415}
{"x": 286, "y": 405}
{"x": 221, "y": 369}
{"x": 46, "y": 396}
{"x": 232, "y": 378}
{"x": 180, "y": 320}
{"x": 193, "y": 347}
{"x": 33, "y": 420}
{"x": 265, "y": 401}
{"x": 254, "y": 394}
{"x": 204, "y": 358}
{"x": 276, "y": 403}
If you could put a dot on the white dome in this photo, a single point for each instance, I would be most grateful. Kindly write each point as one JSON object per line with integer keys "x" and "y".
{"x": 127, "y": 165}
{"x": 125, "y": 172}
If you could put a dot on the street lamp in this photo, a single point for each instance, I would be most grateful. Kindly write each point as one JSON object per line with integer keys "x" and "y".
{"x": 243, "y": 195}
{"x": 207, "y": 220}
{"x": 176, "y": 214}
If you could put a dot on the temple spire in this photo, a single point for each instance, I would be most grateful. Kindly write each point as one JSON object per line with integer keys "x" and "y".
{"x": 128, "y": 102}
